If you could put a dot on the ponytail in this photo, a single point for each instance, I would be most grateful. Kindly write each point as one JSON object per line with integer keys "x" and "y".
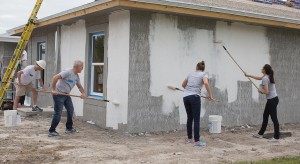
{"x": 201, "y": 66}
{"x": 269, "y": 71}
{"x": 271, "y": 76}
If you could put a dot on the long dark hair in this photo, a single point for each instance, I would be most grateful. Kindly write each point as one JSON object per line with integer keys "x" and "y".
{"x": 269, "y": 71}
{"x": 201, "y": 66}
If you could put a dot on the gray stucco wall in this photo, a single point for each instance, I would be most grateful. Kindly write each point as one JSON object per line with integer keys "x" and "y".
{"x": 285, "y": 57}
{"x": 7, "y": 49}
{"x": 6, "y": 52}
{"x": 145, "y": 111}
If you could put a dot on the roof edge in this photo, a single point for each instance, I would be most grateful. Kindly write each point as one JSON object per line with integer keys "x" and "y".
{"x": 211, "y": 12}
{"x": 220, "y": 10}
{"x": 167, "y": 6}
{"x": 9, "y": 39}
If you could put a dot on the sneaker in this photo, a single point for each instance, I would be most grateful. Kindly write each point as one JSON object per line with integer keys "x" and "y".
{"x": 190, "y": 141}
{"x": 200, "y": 143}
{"x": 36, "y": 109}
{"x": 73, "y": 130}
{"x": 53, "y": 134}
{"x": 258, "y": 136}
{"x": 273, "y": 140}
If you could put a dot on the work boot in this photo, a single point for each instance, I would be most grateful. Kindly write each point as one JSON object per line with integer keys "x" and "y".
{"x": 36, "y": 109}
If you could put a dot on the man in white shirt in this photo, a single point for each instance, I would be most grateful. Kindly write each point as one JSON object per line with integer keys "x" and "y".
{"x": 24, "y": 83}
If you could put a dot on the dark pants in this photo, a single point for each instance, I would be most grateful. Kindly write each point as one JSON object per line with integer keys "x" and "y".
{"x": 271, "y": 109}
{"x": 59, "y": 102}
{"x": 193, "y": 107}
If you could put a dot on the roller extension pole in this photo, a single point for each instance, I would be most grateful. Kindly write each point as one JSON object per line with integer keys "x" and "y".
{"x": 60, "y": 93}
{"x": 239, "y": 66}
{"x": 178, "y": 89}
{"x": 89, "y": 98}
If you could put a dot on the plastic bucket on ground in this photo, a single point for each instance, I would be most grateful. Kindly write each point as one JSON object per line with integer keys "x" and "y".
{"x": 214, "y": 123}
{"x": 11, "y": 118}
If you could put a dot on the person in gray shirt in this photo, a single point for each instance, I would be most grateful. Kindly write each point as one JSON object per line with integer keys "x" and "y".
{"x": 268, "y": 88}
{"x": 64, "y": 83}
{"x": 192, "y": 102}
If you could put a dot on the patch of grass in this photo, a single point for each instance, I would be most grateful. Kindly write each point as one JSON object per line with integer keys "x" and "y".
{"x": 282, "y": 160}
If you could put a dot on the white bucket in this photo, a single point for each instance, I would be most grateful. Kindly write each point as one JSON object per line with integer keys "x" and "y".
{"x": 27, "y": 101}
{"x": 214, "y": 123}
{"x": 11, "y": 118}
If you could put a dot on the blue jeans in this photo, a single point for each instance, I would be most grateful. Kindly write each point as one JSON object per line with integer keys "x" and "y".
{"x": 59, "y": 102}
{"x": 192, "y": 105}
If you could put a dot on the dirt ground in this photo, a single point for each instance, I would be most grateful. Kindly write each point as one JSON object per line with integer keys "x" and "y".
{"x": 29, "y": 143}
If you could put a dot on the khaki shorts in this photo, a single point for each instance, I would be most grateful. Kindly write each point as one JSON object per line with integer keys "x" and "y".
{"x": 22, "y": 89}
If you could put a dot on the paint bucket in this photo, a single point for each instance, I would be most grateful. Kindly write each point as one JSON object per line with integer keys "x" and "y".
{"x": 27, "y": 101}
{"x": 11, "y": 118}
{"x": 214, "y": 123}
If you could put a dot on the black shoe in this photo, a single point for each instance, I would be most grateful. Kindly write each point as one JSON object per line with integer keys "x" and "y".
{"x": 37, "y": 109}
{"x": 73, "y": 130}
{"x": 53, "y": 134}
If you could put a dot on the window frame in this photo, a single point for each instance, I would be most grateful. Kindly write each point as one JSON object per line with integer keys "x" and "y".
{"x": 39, "y": 58}
{"x": 92, "y": 65}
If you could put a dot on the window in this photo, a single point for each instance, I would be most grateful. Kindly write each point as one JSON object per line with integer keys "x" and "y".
{"x": 41, "y": 56}
{"x": 97, "y": 64}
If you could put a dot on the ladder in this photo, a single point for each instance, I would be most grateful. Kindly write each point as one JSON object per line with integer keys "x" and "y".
{"x": 13, "y": 64}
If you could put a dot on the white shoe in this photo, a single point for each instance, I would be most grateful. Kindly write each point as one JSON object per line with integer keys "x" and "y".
{"x": 258, "y": 136}
{"x": 273, "y": 140}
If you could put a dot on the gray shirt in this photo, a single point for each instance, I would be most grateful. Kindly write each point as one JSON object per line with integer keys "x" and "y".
{"x": 68, "y": 81}
{"x": 195, "y": 83}
{"x": 272, "y": 88}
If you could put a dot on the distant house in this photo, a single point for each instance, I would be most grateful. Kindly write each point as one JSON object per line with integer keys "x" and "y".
{"x": 7, "y": 48}
{"x": 133, "y": 49}
{"x": 8, "y": 44}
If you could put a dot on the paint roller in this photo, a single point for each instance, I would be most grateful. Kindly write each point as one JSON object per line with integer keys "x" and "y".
{"x": 223, "y": 45}
{"x": 175, "y": 88}
{"x": 178, "y": 89}
{"x": 116, "y": 103}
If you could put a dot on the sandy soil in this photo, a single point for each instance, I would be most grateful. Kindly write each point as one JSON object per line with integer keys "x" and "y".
{"x": 29, "y": 143}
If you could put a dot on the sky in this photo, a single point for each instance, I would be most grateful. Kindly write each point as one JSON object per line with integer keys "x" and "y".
{"x": 14, "y": 13}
